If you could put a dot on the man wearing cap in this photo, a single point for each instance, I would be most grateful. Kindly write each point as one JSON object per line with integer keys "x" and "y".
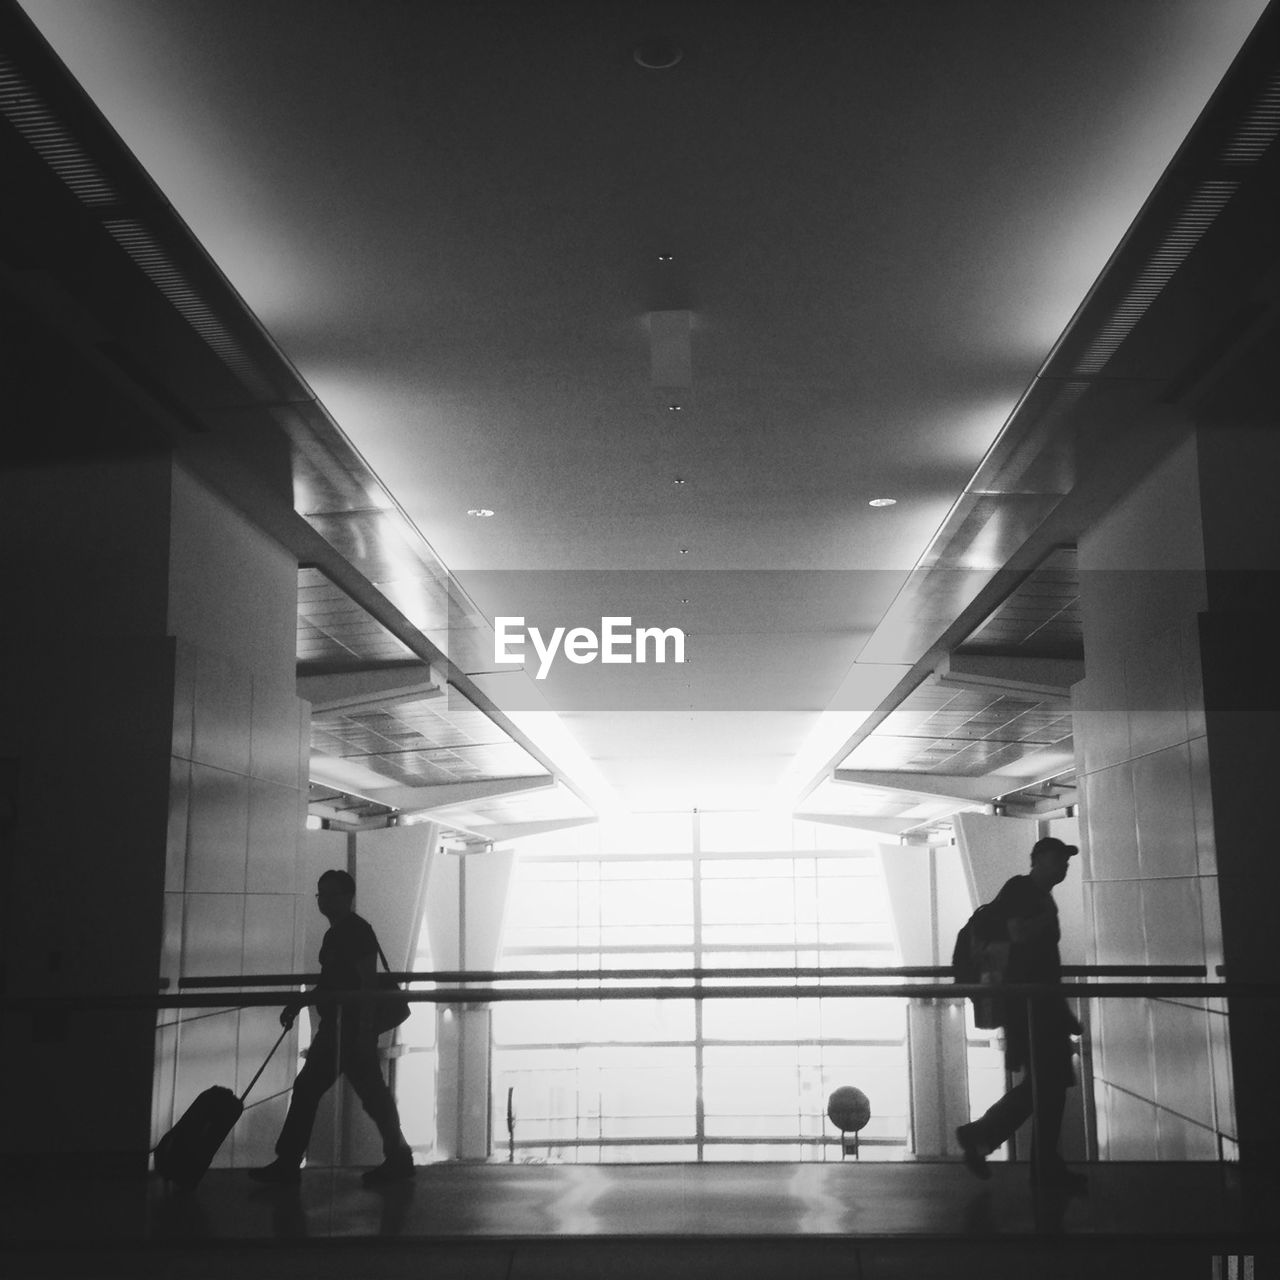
{"x": 1043, "y": 1048}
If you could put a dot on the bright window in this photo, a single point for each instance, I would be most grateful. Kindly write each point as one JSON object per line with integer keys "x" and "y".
{"x": 671, "y": 1079}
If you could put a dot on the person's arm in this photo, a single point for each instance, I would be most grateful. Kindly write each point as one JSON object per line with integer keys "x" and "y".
{"x": 289, "y": 1014}
{"x": 367, "y": 972}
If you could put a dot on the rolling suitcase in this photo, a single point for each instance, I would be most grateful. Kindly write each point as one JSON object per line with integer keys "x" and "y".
{"x": 184, "y": 1154}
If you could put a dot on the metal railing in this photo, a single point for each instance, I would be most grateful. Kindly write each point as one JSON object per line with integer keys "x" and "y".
{"x": 486, "y": 987}
{"x": 489, "y": 986}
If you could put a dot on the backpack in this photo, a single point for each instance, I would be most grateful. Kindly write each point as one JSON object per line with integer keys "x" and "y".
{"x": 981, "y": 955}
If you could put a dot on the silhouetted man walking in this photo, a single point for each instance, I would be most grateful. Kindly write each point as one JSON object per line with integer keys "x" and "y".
{"x": 348, "y": 960}
{"x": 1037, "y": 1032}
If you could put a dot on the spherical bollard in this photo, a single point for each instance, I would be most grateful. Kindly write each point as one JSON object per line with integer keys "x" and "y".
{"x": 848, "y": 1109}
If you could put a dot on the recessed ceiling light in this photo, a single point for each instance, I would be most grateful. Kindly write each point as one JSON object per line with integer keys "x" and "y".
{"x": 883, "y": 502}
{"x": 481, "y": 513}
{"x": 657, "y": 55}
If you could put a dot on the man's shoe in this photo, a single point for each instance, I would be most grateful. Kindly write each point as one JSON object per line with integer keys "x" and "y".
{"x": 396, "y": 1168}
{"x": 975, "y": 1159}
{"x": 278, "y": 1171}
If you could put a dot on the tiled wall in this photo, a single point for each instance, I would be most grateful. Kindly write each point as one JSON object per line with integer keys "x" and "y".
{"x": 235, "y": 901}
{"x": 1163, "y": 1086}
{"x": 161, "y": 784}
{"x": 86, "y": 736}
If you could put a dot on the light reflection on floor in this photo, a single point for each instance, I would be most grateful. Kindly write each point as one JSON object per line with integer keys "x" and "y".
{"x": 478, "y": 1201}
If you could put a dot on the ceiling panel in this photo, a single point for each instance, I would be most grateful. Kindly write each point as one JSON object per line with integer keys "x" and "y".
{"x": 334, "y": 632}
{"x": 423, "y": 743}
{"x": 1040, "y": 619}
{"x": 964, "y": 731}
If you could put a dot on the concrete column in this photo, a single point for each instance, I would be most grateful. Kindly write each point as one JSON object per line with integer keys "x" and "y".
{"x": 1177, "y": 756}
{"x": 929, "y": 902}
{"x": 466, "y": 903}
{"x": 158, "y": 741}
{"x": 391, "y": 868}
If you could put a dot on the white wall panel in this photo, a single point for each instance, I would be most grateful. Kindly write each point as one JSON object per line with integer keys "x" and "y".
{"x": 1220, "y": 1061}
{"x": 1180, "y": 1139}
{"x": 1117, "y": 922}
{"x": 1172, "y": 921}
{"x": 1180, "y": 1037}
{"x": 391, "y": 878}
{"x": 1154, "y": 693}
{"x": 1101, "y": 718}
{"x": 273, "y": 835}
{"x": 1132, "y": 1127}
{"x": 177, "y": 831}
{"x": 1202, "y": 807}
{"x": 994, "y": 849}
{"x": 1124, "y": 1054}
{"x": 206, "y": 1055}
{"x": 213, "y": 934}
{"x": 232, "y": 589}
{"x": 171, "y": 949}
{"x": 268, "y": 932}
{"x": 1110, "y": 823}
{"x": 164, "y": 1080}
{"x": 217, "y": 831}
{"x": 223, "y": 699}
{"x": 259, "y": 1029}
{"x": 184, "y": 698}
{"x": 273, "y": 746}
{"x": 1165, "y": 814}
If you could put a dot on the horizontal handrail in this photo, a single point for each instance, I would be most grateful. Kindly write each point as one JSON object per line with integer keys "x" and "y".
{"x": 493, "y": 995}
{"x": 696, "y": 975}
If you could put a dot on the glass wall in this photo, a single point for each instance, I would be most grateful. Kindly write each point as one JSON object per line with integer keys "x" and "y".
{"x": 413, "y": 1066}
{"x": 666, "y": 1079}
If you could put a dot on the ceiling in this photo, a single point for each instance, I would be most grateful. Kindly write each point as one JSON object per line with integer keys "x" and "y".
{"x": 842, "y": 237}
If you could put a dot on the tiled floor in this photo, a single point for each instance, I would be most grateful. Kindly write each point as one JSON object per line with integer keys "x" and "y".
{"x": 857, "y": 1221}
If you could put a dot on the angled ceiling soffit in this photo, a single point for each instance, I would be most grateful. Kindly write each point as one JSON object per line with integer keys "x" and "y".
{"x": 230, "y": 401}
{"x": 1179, "y": 293}
{"x": 442, "y": 739}
{"x": 1168, "y": 302}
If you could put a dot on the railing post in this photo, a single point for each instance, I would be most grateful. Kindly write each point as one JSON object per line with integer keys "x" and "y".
{"x": 339, "y": 1153}
{"x": 1038, "y": 1161}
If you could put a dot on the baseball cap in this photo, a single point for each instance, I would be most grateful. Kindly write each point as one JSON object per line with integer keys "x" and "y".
{"x": 1051, "y": 844}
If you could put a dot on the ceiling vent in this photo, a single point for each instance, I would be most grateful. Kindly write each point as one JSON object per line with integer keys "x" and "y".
{"x": 1249, "y": 141}
{"x": 1258, "y": 130}
{"x": 1197, "y": 216}
{"x": 31, "y": 116}
{"x": 150, "y": 257}
{"x": 42, "y": 128}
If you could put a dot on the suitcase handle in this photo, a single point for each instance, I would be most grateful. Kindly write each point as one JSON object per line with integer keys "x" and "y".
{"x": 262, "y": 1068}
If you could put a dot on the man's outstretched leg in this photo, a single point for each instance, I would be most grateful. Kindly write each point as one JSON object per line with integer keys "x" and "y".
{"x": 364, "y": 1071}
{"x": 318, "y": 1073}
{"x": 995, "y": 1127}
